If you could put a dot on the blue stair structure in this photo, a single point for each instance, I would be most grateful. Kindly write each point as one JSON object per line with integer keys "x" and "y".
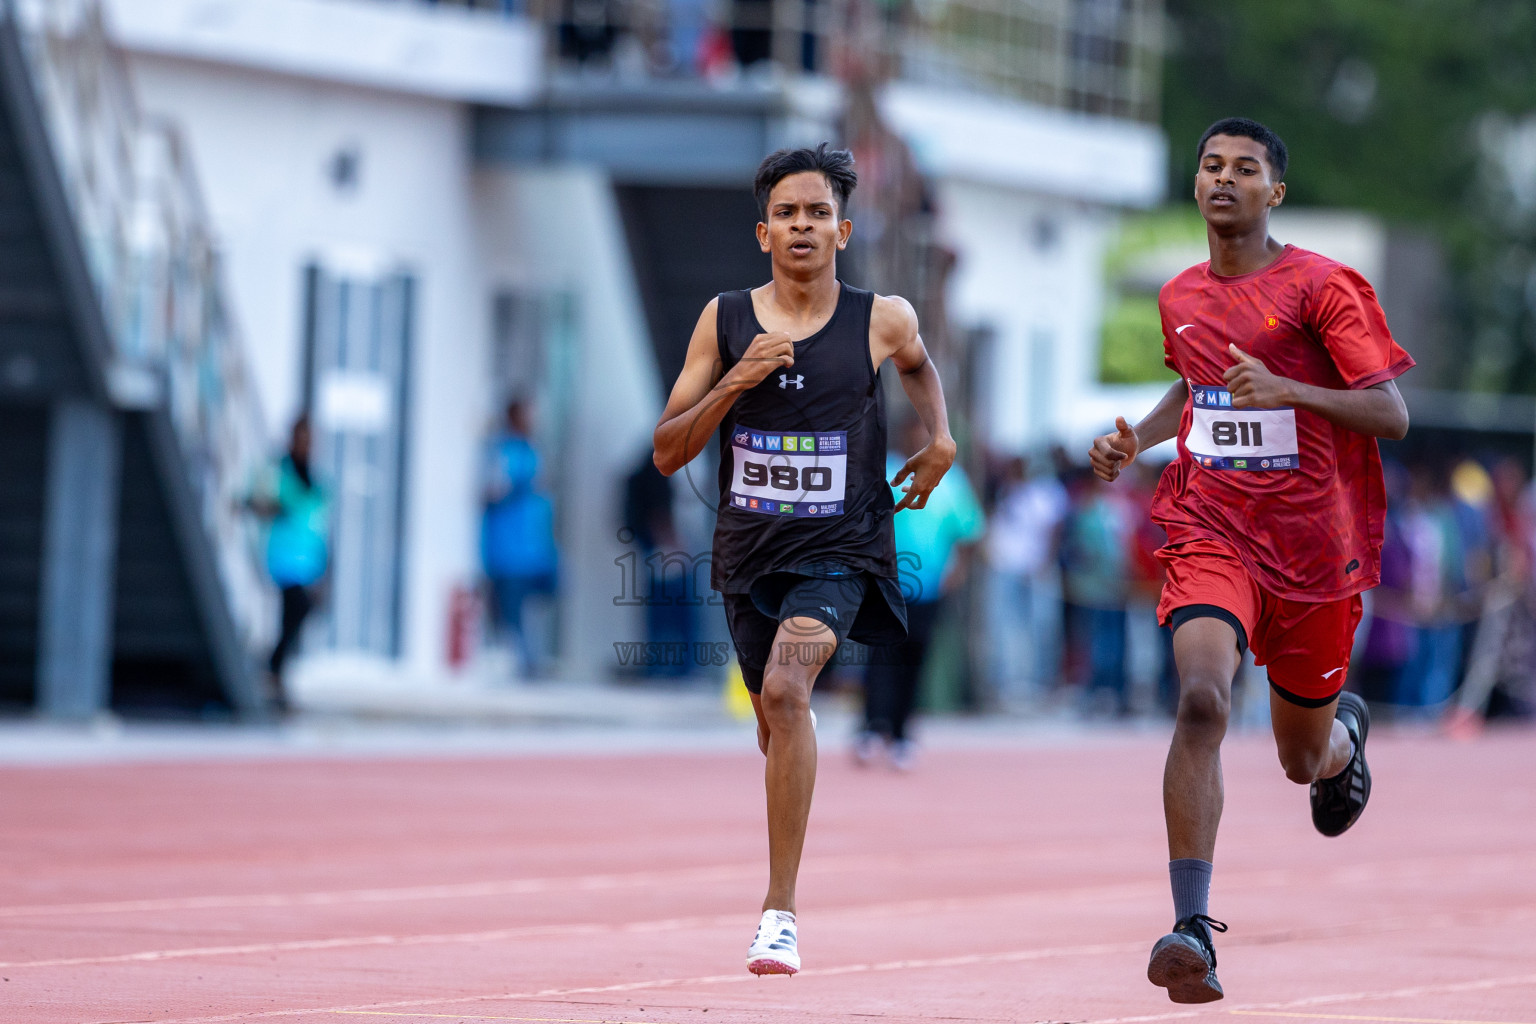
{"x": 129, "y": 428}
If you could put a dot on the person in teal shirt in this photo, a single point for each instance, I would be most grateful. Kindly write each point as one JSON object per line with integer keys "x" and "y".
{"x": 298, "y": 547}
{"x": 933, "y": 545}
{"x": 517, "y": 534}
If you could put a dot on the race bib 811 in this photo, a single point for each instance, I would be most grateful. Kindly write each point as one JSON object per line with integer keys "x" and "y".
{"x": 1221, "y": 437}
{"x": 784, "y": 474}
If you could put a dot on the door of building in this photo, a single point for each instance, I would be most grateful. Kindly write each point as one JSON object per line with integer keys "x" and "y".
{"x": 358, "y": 344}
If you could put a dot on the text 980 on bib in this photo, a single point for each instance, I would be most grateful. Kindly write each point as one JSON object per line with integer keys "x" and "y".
{"x": 789, "y": 474}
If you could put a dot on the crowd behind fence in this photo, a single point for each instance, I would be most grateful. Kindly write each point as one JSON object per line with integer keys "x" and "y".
{"x": 1450, "y": 632}
{"x": 1096, "y": 56}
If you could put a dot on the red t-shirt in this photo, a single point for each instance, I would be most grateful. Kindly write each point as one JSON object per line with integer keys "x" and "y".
{"x": 1300, "y": 500}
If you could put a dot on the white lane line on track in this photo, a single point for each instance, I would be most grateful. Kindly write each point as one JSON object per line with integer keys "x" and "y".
{"x": 968, "y": 960}
{"x": 1084, "y": 894}
{"x": 363, "y": 941}
{"x": 518, "y": 886}
{"x": 1080, "y": 895}
{"x": 1412, "y": 992}
{"x": 1333, "y": 999}
{"x": 465, "y": 890}
{"x": 540, "y": 1020}
{"x": 1366, "y": 1017}
{"x": 828, "y": 914}
{"x": 1406, "y": 869}
{"x": 857, "y": 910}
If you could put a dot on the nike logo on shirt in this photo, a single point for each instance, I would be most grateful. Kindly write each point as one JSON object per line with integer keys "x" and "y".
{"x": 1181, "y": 330}
{"x": 1330, "y": 675}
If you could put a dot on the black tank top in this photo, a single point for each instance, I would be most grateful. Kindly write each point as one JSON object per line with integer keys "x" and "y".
{"x": 802, "y": 454}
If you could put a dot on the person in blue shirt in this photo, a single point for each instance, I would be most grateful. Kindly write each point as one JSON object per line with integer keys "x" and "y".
{"x": 1096, "y": 586}
{"x": 517, "y": 532}
{"x": 933, "y": 546}
{"x": 297, "y": 510}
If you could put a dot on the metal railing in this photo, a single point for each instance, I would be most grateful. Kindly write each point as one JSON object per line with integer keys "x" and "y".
{"x": 1096, "y": 56}
{"x": 155, "y": 267}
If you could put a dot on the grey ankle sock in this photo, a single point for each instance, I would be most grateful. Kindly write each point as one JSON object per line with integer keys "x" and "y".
{"x": 1191, "y": 880}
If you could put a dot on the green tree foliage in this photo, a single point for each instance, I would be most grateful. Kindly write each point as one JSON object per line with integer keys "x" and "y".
{"x": 1131, "y": 339}
{"x": 1399, "y": 107}
{"x": 1131, "y": 343}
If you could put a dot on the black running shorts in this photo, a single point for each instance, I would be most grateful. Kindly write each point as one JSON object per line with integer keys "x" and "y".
{"x": 851, "y": 604}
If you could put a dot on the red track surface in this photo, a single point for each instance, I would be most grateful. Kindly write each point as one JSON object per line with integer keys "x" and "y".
{"x": 998, "y": 885}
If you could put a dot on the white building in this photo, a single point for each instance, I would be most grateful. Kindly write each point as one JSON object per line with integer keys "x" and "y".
{"x": 418, "y": 218}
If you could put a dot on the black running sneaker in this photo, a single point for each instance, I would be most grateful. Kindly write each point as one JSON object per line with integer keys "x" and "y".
{"x": 1337, "y": 802}
{"x": 1184, "y": 961}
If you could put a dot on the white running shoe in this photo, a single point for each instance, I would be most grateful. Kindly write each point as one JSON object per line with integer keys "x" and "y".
{"x": 775, "y": 950}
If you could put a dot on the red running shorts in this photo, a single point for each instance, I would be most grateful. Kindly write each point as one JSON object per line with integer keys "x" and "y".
{"x": 1304, "y": 645}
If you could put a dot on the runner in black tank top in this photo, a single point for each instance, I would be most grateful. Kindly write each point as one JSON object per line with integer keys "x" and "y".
{"x": 804, "y": 549}
{"x": 802, "y": 479}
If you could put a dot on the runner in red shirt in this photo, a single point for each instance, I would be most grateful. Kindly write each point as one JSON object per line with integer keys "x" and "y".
{"x": 1274, "y": 510}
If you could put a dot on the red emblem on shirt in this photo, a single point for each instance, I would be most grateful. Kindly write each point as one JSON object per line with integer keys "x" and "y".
{"x": 1271, "y": 321}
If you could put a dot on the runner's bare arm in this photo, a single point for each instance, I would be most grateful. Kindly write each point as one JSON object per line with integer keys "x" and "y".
{"x": 893, "y": 334}
{"x": 703, "y": 394}
{"x": 1377, "y": 411}
{"x": 1113, "y": 452}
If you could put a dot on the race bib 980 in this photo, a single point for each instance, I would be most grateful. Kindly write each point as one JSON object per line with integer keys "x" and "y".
{"x": 1221, "y": 437}
{"x": 783, "y": 474}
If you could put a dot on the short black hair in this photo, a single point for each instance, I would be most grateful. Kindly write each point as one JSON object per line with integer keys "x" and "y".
{"x": 836, "y": 165}
{"x": 1244, "y": 128}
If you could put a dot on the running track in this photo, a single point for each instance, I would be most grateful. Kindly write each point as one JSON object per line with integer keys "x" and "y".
{"x": 1012, "y": 883}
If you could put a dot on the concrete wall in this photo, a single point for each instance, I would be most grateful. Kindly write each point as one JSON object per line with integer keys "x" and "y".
{"x": 1029, "y": 272}
{"x": 1028, "y": 199}
{"x": 559, "y": 229}
{"x": 447, "y": 52}
{"x": 263, "y": 145}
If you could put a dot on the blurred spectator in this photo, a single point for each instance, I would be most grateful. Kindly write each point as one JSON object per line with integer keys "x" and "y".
{"x": 751, "y": 31}
{"x": 1146, "y": 578}
{"x": 1390, "y": 638}
{"x": 1472, "y": 498}
{"x": 716, "y": 60}
{"x": 754, "y": 23}
{"x": 1446, "y": 554}
{"x": 933, "y": 546}
{"x": 1096, "y": 576}
{"x": 1515, "y": 520}
{"x": 1501, "y": 671}
{"x": 517, "y": 536}
{"x": 687, "y": 28}
{"x": 669, "y": 618}
{"x": 587, "y": 30}
{"x": 297, "y": 511}
{"x": 1024, "y": 584}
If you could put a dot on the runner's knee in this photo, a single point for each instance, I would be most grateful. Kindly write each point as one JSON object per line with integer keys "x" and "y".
{"x": 785, "y": 697}
{"x": 1204, "y": 705}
